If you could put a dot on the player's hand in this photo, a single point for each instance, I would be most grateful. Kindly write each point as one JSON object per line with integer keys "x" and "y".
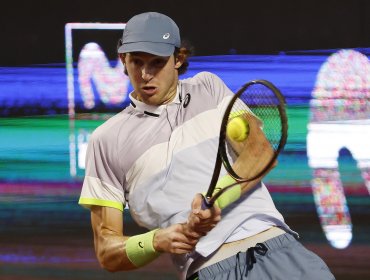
{"x": 255, "y": 152}
{"x": 175, "y": 239}
{"x": 200, "y": 222}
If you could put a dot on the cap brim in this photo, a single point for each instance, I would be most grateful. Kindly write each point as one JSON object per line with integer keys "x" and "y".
{"x": 148, "y": 47}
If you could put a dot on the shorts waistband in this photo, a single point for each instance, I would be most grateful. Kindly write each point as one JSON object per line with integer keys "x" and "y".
{"x": 253, "y": 255}
{"x": 230, "y": 249}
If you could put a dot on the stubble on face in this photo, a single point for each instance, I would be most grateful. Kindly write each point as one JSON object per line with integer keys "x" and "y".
{"x": 154, "y": 78}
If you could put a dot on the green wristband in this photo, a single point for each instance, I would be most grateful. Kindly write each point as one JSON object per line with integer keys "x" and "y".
{"x": 228, "y": 196}
{"x": 140, "y": 250}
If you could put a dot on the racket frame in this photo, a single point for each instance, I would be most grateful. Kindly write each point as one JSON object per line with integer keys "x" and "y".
{"x": 222, "y": 158}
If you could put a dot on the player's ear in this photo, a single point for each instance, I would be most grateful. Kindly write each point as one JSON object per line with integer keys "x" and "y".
{"x": 122, "y": 57}
{"x": 179, "y": 60}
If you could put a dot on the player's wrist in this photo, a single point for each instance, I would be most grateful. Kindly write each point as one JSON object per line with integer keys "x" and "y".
{"x": 140, "y": 248}
{"x": 157, "y": 237}
{"x": 229, "y": 196}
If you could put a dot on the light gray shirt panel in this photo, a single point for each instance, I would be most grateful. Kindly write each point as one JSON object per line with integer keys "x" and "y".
{"x": 117, "y": 144}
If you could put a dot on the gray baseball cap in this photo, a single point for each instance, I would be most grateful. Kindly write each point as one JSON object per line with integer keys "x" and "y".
{"x": 150, "y": 32}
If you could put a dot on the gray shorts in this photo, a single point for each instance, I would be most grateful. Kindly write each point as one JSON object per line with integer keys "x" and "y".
{"x": 281, "y": 257}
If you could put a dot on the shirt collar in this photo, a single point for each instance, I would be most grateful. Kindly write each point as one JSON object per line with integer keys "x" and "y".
{"x": 152, "y": 110}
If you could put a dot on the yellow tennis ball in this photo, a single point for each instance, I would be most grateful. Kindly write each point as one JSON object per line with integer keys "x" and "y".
{"x": 237, "y": 129}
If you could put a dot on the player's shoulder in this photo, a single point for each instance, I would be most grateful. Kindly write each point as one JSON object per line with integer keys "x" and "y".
{"x": 108, "y": 129}
{"x": 206, "y": 75}
{"x": 201, "y": 77}
{"x": 204, "y": 82}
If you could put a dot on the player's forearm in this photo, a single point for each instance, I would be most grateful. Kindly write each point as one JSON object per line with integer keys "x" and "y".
{"x": 111, "y": 252}
{"x": 233, "y": 194}
{"x": 253, "y": 155}
{"x": 116, "y": 252}
{"x": 246, "y": 187}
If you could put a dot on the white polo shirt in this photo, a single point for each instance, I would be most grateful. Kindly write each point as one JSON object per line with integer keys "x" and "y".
{"x": 156, "y": 158}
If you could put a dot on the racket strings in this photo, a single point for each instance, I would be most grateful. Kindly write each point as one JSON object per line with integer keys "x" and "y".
{"x": 264, "y": 105}
{"x": 259, "y": 103}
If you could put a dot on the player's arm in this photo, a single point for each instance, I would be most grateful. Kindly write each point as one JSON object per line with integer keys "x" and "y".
{"x": 107, "y": 224}
{"x": 254, "y": 150}
{"x": 116, "y": 251}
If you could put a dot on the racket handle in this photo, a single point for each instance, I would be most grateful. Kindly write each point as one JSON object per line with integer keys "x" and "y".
{"x": 206, "y": 204}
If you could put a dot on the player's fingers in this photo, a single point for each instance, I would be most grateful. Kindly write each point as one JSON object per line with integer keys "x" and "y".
{"x": 169, "y": 239}
{"x": 187, "y": 235}
{"x": 213, "y": 213}
{"x": 181, "y": 244}
{"x": 203, "y": 225}
{"x": 204, "y": 228}
{"x": 196, "y": 204}
{"x": 181, "y": 248}
{"x": 201, "y": 228}
{"x": 192, "y": 234}
{"x": 253, "y": 121}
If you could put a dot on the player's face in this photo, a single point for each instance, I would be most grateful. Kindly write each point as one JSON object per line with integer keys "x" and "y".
{"x": 154, "y": 78}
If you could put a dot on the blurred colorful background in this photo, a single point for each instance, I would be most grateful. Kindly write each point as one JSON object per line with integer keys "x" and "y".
{"x": 48, "y": 110}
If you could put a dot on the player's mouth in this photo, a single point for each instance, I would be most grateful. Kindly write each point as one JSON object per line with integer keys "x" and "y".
{"x": 149, "y": 90}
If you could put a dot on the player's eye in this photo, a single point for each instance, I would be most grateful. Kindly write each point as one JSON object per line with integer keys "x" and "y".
{"x": 136, "y": 61}
{"x": 159, "y": 63}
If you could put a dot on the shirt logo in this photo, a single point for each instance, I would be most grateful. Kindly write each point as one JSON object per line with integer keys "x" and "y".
{"x": 166, "y": 36}
{"x": 187, "y": 100}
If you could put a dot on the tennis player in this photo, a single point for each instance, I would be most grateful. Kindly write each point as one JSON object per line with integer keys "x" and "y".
{"x": 158, "y": 154}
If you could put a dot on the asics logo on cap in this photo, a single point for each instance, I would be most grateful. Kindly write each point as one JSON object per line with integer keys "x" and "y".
{"x": 166, "y": 36}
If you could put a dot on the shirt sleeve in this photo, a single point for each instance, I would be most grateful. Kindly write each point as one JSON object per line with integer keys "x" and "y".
{"x": 215, "y": 86}
{"x": 103, "y": 183}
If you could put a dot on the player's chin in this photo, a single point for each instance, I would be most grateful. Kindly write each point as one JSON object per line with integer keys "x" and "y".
{"x": 152, "y": 99}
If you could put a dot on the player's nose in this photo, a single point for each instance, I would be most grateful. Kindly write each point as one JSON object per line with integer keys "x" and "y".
{"x": 146, "y": 74}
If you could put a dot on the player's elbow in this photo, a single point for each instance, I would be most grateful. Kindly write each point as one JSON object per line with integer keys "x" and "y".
{"x": 111, "y": 263}
{"x": 107, "y": 267}
{"x": 105, "y": 262}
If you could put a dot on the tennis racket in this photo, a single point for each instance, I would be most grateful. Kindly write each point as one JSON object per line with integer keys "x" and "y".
{"x": 262, "y": 107}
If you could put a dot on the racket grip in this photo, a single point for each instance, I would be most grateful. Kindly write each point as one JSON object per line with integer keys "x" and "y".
{"x": 206, "y": 204}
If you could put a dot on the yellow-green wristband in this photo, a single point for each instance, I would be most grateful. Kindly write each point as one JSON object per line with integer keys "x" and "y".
{"x": 140, "y": 250}
{"x": 229, "y": 196}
